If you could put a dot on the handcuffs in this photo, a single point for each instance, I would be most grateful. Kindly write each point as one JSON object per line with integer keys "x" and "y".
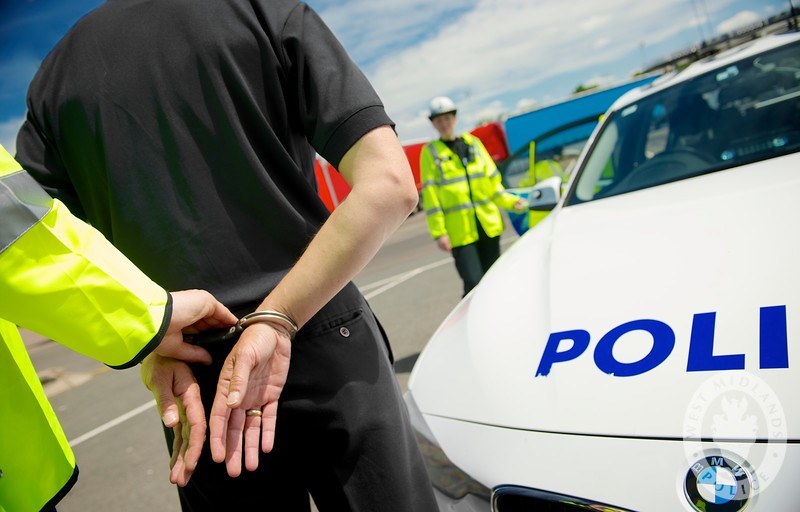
{"x": 214, "y": 336}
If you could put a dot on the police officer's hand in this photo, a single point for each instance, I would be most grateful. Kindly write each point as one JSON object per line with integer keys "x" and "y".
{"x": 521, "y": 206}
{"x": 252, "y": 377}
{"x": 444, "y": 243}
{"x": 192, "y": 311}
{"x": 177, "y": 395}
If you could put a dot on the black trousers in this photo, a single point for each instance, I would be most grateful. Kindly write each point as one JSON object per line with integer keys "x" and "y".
{"x": 342, "y": 434}
{"x": 473, "y": 260}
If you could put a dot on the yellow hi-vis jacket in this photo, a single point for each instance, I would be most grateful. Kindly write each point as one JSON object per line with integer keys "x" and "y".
{"x": 454, "y": 196}
{"x": 61, "y": 278}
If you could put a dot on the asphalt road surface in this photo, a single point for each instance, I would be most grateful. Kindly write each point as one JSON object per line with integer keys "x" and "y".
{"x": 111, "y": 419}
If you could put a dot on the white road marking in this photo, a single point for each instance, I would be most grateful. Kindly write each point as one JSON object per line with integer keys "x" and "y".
{"x": 113, "y": 423}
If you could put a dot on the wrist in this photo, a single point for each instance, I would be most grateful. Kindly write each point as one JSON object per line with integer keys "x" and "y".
{"x": 264, "y": 328}
{"x": 276, "y": 319}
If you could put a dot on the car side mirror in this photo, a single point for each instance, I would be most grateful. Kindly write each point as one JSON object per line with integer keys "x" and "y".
{"x": 544, "y": 196}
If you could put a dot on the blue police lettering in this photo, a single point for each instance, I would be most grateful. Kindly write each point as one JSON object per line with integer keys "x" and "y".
{"x": 663, "y": 343}
{"x": 773, "y": 346}
{"x": 580, "y": 341}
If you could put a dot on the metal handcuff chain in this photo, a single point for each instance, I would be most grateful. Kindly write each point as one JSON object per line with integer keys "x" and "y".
{"x": 270, "y": 317}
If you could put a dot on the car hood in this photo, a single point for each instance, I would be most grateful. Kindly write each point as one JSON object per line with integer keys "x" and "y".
{"x": 723, "y": 243}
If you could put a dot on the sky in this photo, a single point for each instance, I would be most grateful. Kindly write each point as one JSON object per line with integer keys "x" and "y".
{"x": 492, "y": 57}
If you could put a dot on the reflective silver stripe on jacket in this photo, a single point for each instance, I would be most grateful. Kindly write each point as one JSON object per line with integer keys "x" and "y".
{"x": 23, "y": 203}
{"x": 433, "y": 211}
{"x": 437, "y": 160}
{"x": 467, "y": 206}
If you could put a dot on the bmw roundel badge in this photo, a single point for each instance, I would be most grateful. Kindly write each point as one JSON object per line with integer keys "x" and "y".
{"x": 717, "y": 483}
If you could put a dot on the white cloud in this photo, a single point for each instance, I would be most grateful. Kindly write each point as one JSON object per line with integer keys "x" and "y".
{"x": 8, "y": 133}
{"x": 508, "y": 47}
{"x": 525, "y": 104}
{"x": 490, "y": 112}
{"x": 600, "y": 43}
{"x": 739, "y": 20}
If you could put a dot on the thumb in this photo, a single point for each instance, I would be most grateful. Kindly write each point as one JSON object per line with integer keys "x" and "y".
{"x": 189, "y": 306}
{"x": 165, "y": 400}
{"x": 240, "y": 377}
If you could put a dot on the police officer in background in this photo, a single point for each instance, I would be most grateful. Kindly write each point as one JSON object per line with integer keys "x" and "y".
{"x": 462, "y": 195}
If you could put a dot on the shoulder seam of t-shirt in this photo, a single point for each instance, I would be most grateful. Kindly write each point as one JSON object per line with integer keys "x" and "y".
{"x": 284, "y": 57}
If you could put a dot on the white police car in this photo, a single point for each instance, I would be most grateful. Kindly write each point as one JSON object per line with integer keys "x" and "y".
{"x": 640, "y": 348}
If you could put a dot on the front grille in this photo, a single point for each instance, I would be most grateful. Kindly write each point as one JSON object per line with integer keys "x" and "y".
{"x": 509, "y": 498}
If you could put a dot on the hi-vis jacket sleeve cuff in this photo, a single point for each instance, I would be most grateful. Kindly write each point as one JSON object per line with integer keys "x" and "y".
{"x": 506, "y": 200}
{"x": 61, "y": 278}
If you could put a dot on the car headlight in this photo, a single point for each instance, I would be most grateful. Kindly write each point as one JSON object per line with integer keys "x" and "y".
{"x": 445, "y": 476}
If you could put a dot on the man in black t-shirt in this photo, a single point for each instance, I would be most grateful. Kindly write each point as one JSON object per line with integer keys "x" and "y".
{"x": 186, "y": 131}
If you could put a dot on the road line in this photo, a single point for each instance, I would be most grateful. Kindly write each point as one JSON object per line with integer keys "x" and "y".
{"x": 392, "y": 281}
{"x": 401, "y": 278}
{"x": 113, "y": 423}
{"x": 382, "y": 285}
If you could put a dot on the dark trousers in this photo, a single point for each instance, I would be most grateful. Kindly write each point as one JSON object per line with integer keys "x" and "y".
{"x": 473, "y": 260}
{"x": 343, "y": 433}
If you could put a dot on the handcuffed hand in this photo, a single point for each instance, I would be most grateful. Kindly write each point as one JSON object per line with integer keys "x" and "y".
{"x": 252, "y": 378}
{"x": 192, "y": 311}
{"x": 177, "y": 395}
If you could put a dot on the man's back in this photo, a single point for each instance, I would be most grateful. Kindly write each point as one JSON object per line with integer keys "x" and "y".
{"x": 181, "y": 127}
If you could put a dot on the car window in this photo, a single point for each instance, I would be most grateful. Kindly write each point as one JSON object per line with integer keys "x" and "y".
{"x": 556, "y": 155}
{"x": 742, "y": 113}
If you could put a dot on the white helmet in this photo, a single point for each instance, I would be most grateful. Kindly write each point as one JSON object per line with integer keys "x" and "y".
{"x": 441, "y": 105}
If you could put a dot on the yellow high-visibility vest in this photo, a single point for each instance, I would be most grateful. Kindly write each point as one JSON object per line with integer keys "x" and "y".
{"x": 63, "y": 279}
{"x": 455, "y": 196}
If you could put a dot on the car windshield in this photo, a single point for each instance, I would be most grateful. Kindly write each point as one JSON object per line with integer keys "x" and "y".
{"x": 743, "y": 113}
{"x": 556, "y": 153}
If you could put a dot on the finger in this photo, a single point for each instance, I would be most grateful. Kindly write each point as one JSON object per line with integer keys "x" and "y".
{"x": 220, "y": 412}
{"x": 190, "y": 353}
{"x": 220, "y": 315}
{"x": 269, "y": 417}
{"x": 196, "y": 423}
{"x": 175, "y": 461}
{"x": 233, "y": 460}
{"x": 165, "y": 400}
{"x": 184, "y": 472}
{"x": 252, "y": 434}
{"x": 240, "y": 378}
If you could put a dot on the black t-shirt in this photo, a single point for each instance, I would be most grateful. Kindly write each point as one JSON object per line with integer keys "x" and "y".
{"x": 186, "y": 130}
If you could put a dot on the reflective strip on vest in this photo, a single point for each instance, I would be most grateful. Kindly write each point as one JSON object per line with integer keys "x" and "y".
{"x": 473, "y": 176}
{"x": 23, "y": 203}
{"x": 437, "y": 160}
{"x": 467, "y": 206}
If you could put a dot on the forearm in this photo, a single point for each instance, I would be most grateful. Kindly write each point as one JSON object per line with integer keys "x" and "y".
{"x": 383, "y": 195}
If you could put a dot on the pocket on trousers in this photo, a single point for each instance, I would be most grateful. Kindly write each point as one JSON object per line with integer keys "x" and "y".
{"x": 341, "y": 324}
